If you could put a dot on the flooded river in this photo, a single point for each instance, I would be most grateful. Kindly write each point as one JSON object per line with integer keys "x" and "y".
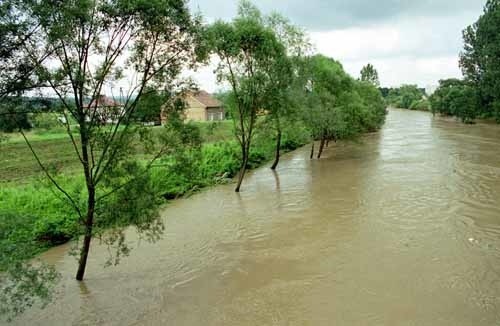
{"x": 402, "y": 228}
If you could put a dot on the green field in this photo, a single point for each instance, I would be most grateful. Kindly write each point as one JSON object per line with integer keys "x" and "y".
{"x": 54, "y": 148}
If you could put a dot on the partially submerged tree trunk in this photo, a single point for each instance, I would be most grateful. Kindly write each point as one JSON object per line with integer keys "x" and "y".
{"x": 312, "y": 150}
{"x": 243, "y": 168}
{"x": 82, "y": 262}
{"x": 278, "y": 145}
{"x": 321, "y": 147}
{"x": 91, "y": 200}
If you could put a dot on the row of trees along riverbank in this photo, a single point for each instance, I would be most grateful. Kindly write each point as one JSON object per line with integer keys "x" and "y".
{"x": 281, "y": 96}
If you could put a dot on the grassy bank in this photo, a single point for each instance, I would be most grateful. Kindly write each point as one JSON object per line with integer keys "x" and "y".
{"x": 34, "y": 214}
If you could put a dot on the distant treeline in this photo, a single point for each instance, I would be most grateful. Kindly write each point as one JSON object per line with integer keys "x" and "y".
{"x": 409, "y": 97}
{"x": 14, "y": 111}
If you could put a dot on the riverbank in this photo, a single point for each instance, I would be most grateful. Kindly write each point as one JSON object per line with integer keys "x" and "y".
{"x": 33, "y": 213}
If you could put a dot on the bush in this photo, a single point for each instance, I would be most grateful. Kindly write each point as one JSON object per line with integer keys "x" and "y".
{"x": 218, "y": 159}
{"x": 46, "y": 121}
{"x": 294, "y": 136}
{"x": 421, "y": 105}
{"x": 12, "y": 118}
{"x": 34, "y": 211}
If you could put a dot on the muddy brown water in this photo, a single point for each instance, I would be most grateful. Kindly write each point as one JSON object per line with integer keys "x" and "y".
{"x": 401, "y": 229}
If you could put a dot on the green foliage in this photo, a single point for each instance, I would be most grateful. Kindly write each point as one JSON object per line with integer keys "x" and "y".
{"x": 404, "y": 96}
{"x": 370, "y": 74}
{"x": 421, "y": 105}
{"x": 220, "y": 159}
{"x": 455, "y": 97}
{"x": 13, "y": 116}
{"x": 339, "y": 107}
{"x": 480, "y": 61}
{"x": 373, "y": 111}
{"x": 150, "y": 105}
{"x": 251, "y": 58}
{"x": 295, "y": 134}
{"x": 47, "y": 122}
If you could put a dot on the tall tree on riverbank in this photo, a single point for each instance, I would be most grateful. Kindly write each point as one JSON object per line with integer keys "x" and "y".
{"x": 370, "y": 74}
{"x": 248, "y": 51}
{"x": 79, "y": 49}
{"x": 480, "y": 59}
{"x": 287, "y": 87}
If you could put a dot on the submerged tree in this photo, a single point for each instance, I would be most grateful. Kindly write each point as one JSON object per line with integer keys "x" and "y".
{"x": 369, "y": 74}
{"x": 247, "y": 50}
{"x": 80, "y": 49}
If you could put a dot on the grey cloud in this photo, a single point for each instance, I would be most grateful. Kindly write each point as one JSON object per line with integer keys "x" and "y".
{"x": 427, "y": 42}
{"x": 326, "y": 15}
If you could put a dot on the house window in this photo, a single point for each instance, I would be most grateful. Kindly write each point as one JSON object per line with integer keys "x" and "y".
{"x": 215, "y": 116}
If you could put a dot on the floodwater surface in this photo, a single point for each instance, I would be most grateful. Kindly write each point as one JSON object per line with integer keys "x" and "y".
{"x": 402, "y": 228}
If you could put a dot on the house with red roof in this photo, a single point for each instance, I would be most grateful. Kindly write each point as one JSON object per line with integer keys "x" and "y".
{"x": 201, "y": 106}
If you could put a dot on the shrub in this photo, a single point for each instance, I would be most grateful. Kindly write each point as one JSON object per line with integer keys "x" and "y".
{"x": 46, "y": 121}
{"x": 421, "y": 105}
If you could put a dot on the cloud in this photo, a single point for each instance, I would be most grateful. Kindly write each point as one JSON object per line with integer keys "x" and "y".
{"x": 329, "y": 14}
{"x": 408, "y": 41}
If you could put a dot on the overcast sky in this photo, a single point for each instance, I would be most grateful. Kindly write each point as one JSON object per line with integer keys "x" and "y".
{"x": 408, "y": 41}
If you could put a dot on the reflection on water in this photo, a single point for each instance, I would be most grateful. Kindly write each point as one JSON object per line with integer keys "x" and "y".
{"x": 402, "y": 228}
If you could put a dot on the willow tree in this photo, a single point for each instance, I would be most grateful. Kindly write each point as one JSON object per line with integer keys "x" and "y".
{"x": 80, "y": 50}
{"x": 247, "y": 50}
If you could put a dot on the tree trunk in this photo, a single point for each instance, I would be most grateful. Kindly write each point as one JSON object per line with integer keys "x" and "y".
{"x": 327, "y": 143}
{"x": 243, "y": 167}
{"x": 84, "y": 253}
{"x": 321, "y": 146}
{"x": 312, "y": 151}
{"x": 278, "y": 145}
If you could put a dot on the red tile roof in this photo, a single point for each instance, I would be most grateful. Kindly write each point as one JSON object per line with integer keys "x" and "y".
{"x": 206, "y": 99}
{"x": 103, "y": 101}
